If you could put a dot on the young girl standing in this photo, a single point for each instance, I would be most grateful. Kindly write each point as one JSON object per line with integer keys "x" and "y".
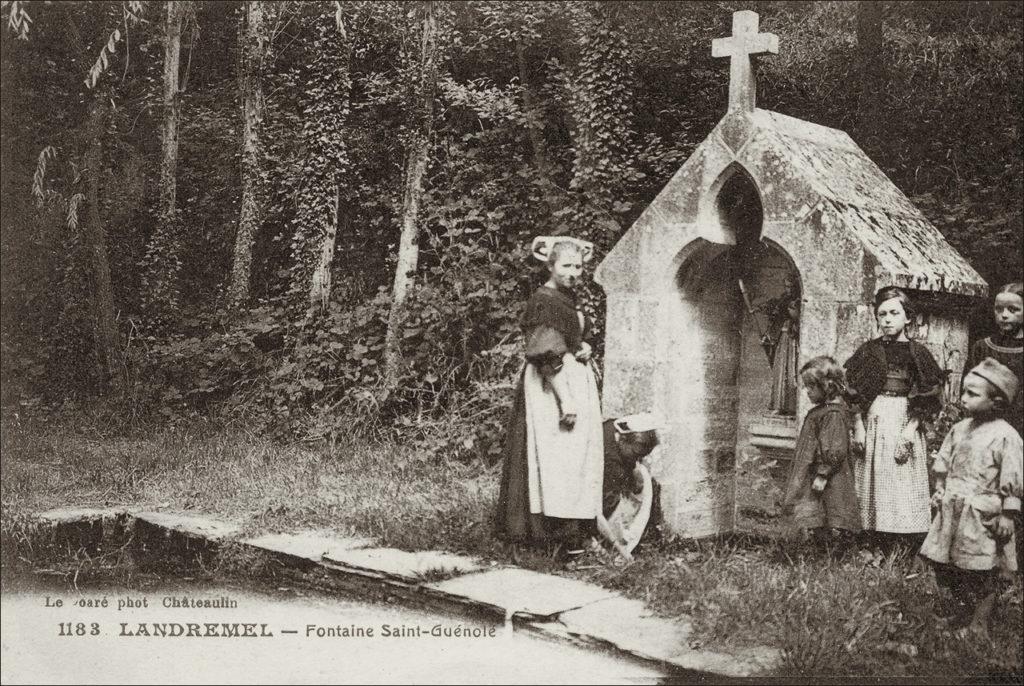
{"x": 893, "y": 384}
{"x": 977, "y": 495}
{"x": 550, "y": 490}
{"x": 821, "y": 489}
{"x": 1007, "y": 346}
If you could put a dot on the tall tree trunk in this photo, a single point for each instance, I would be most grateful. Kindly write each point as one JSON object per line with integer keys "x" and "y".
{"x": 108, "y": 342}
{"x": 603, "y": 133}
{"x": 325, "y": 102}
{"x": 253, "y": 48}
{"x": 172, "y": 66}
{"x": 163, "y": 262}
{"x": 534, "y": 124}
{"x": 415, "y": 168}
{"x": 871, "y": 65}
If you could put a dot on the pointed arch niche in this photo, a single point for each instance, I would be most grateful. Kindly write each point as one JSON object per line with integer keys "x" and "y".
{"x": 732, "y": 212}
{"x": 702, "y": 385}
{"x": 739, "y": 297}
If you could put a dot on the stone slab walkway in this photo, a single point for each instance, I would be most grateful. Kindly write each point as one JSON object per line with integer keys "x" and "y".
{"x": 512, "y": 590}
{"x": 191, "y": 525}
{"x": 542, "y": 603}
{"x": 312, "y": 545}
{"x": 406, "y": 566}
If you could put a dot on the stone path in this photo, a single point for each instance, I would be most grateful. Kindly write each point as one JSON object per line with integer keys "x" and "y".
{"x": 543, "y": 603}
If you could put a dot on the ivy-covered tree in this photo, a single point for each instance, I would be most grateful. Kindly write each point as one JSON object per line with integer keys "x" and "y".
{"x": 602, "y": 100}
{"x": 325, "y": 103}
{"x": 163, "y": 255}
{"x": 872, "y": 69}
{"x": 252, "y": 51}
{"x": 107, "y": 337}
{"x": 417, "y": 157}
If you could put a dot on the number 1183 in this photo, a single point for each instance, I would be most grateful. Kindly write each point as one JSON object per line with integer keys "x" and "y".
{"x": 78, "y": 629}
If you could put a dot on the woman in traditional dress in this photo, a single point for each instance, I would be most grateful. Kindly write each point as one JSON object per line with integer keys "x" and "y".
{"x": 894, "y": 385}
{"x": 553, "y": 455}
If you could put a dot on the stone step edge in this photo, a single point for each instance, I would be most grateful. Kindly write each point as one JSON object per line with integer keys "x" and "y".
{"x": 552, "y": 629}
{"x": 418, "y": 592}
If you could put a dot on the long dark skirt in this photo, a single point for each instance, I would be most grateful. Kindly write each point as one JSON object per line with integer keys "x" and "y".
{"x": 513, "y": 520}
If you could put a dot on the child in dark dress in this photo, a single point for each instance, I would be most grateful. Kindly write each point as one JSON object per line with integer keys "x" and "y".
{"x": 1007, "y": 346}
{"x": 820, "y": 494}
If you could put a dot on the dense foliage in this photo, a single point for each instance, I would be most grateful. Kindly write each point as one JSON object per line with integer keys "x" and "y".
{"x": 550, "y": 117}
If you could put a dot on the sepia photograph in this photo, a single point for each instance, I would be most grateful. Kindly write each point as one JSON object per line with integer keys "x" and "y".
{"x": 511, "y": 342}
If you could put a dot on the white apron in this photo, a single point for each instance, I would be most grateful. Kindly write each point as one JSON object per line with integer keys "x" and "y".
{"x": 565, "y": 466}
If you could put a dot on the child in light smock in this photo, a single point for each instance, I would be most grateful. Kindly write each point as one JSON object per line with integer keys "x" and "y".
{"x": 977, "y": 495}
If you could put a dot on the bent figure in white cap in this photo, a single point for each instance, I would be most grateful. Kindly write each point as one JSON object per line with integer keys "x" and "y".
{"x": 630, "y": 504}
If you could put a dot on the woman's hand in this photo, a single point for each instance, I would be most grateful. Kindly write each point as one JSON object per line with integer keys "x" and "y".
{"x": 1004, "y": 528}
{"x": 937, "y": 496}
{"x": 859, "y": 437}
{"x": 908, "y": 437}
{"x": 583, "y": 354}
{"x": 819, "y": 483}
{"x": 568, "y": 418}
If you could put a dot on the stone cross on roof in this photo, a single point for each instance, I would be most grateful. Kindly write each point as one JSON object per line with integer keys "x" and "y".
{"x": 744, "y": 42}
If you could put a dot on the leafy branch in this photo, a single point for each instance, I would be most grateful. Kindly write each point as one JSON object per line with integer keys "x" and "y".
{"x": 339, "y": 19}
{"x": 132, "y": 16}
{"x": 18, "y": 19}
{"x": 39, "y": 177}
{"x": 43, "y": 197}
{"x": 72, "y": 216}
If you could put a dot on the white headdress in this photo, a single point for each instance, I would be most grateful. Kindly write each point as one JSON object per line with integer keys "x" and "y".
{"x": 542, "y": 246}
{"x": 636, "y": 423}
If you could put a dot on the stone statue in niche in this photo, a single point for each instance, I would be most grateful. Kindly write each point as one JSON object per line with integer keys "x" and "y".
{"x": 781, "y": 343}
{"x": 784, "y": 330}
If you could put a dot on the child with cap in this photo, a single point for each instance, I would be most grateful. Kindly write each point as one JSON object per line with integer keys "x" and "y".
{"x": 977, "y": 495}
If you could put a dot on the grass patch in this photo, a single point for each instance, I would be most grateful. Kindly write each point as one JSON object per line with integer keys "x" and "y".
{"x": 392, "y": 492}
{"x": 433, "y": 575}
{"x": 858, "y": 615}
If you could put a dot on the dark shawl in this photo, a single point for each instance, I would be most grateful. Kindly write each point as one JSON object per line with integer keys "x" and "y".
{"x": 551, "y": 327}
{"x": 865, "y": 377}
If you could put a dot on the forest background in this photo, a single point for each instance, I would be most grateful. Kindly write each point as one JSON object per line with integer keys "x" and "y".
{"x": 311, "y": 219}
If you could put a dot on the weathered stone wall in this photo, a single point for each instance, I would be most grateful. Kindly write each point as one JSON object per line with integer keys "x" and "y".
{"x": 946, "y": 335}
{"x": 675, "y": 349}
{"x": 703, "y": 391}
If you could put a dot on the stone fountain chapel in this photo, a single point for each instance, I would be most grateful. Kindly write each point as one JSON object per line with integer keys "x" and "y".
{"x": 767, "y": 209}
